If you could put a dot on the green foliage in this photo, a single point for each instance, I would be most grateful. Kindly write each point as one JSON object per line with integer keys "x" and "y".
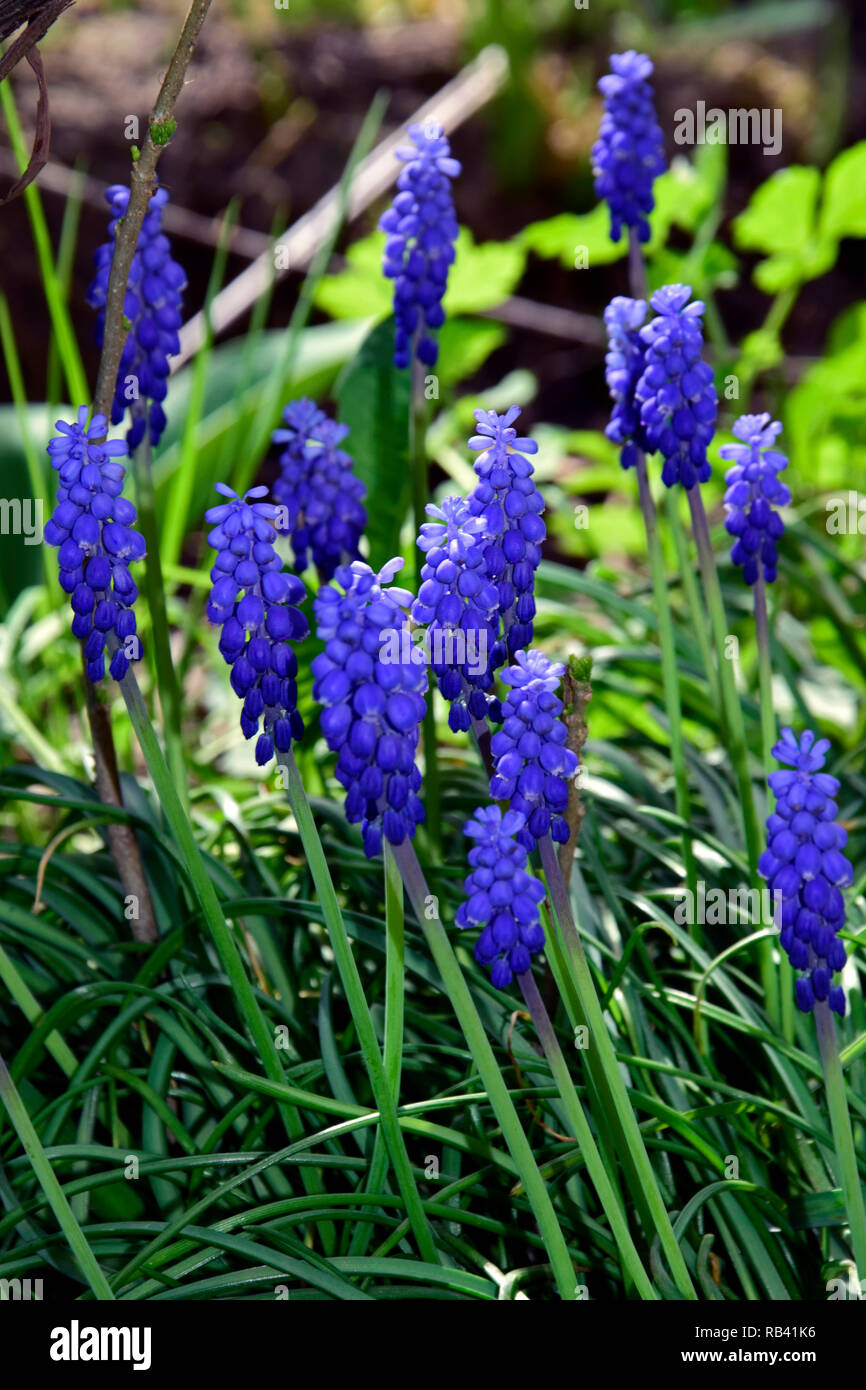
{"x": 797, "y": 220}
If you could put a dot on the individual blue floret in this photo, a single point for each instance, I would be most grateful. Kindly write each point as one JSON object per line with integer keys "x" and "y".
{"x": 422, "y": 229}
{"x": 754, "y": 492}
{"x": 501, "y": 896}
{"x": 92, "y": 526}
{"x": 806, "y": 868}
{"x": 154, "y": 297}
{"x": 256, "y": 605}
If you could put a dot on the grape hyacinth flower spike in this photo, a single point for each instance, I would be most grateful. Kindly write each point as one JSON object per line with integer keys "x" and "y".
{"x": 421, "y": 227}
{"x": 459, "y": 607}
{"x": 372, "y": 688}
{"x": 676, "y": 393}
{"x": 318, "y": 487}
{"x": 508, "y": 501}
{"x": 754, "y": 491}
{"x": 805, "y": 867}
{"x": 530, "y": 760}
{"x": 623, "y": 368}
{"x": 629, "y": 153}
{"x": 154, "y": 296}
{"x": 92, "y": 526}
{"x": 501, "y": 896}
{"x": 256, "y": 605}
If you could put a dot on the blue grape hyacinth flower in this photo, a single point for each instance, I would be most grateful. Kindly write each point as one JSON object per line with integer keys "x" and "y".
{"x": 623, "y": 368}
{"x": 459, "y": 607}
{"x": 318, "y": 487}
{"x": 754, "y": 492}
{"x": 805, "y": 867}
{"x": 92, "y": 526}
{"x": 154, "y": 296}
{"x": 629, "y": 153}
{"x": 676, "y": 392}
{"x": 530, "y": 760}
{"x": 256, "y": 604}
{"x": 501, "y": 896}
{"x": 372, "y": 685}
{"x": 421, "y": 227}
{"x": 508, "y": 501}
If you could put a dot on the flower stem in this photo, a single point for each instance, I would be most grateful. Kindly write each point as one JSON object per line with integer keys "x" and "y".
{"x": 395, "y": 984}
{"x": 384, "y": 1085}
{"x": 840, "y": 1123}
{"x": 730, "y": 699}
{"x": 580, "y": 1126}
{"x": 166, "y": 675}
{"x": 585, "y": 986}
{"x": 670, "y": 679}
{"x": 488, "y": 1068}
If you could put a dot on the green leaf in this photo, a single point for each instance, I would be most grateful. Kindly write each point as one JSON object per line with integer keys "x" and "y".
{"x": 569, "y": 234}
{"x": 373, "y": 399}
{"x": 360, "y": 290}
{"x": 464, "y": 346}
{"x": 686, "y": 192}
{"x": 844, "y": 208}
{"x": 483, "y": 276}
{"x": 781, "y": 220}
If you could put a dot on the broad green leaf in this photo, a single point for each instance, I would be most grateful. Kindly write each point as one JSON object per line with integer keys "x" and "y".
{"x": 781, "y": 220}
{"x": 359, "y": 290}
{"x": 464, "y": 346}
{"x": 483, "y": 276}
{"x": 686, "y": 192}
{"x": 575, "y": 239}
{"x": 373, "y": 399}
{"x": 843, "y": 212}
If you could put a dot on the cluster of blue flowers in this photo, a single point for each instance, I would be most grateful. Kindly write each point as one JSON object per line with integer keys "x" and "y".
{"x": 508, "y": 501}
{"x": 501, "y": 896}
{"x": 422, "y": 229}
{"x": 629, "y": 152}
{"x": 373, "y": 699}
{"x": 676, "y": 393}
{"x": 530, "y": 760}
{"x": 256, "y": 605}
{"x": 623, "y": 367}
{"x": 754, "y": 490}
{"x": 805, "y": 866}
{"x": 154, "y": 296}
{"x": 318, "y": 487}
{"x": 459, "y": 606}
{"x": 92, "y": 526}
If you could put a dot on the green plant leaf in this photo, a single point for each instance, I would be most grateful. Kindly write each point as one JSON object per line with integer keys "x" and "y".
{"x": 373, "y": 400}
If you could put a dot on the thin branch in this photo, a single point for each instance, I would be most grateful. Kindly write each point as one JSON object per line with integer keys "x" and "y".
{"x": 160, "y": 128}
{"x": 122, "y": 840}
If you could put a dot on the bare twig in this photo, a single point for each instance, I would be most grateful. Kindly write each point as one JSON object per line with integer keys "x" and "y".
{"x": 124, "y": 846}
{"x": 576, "y": 695}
